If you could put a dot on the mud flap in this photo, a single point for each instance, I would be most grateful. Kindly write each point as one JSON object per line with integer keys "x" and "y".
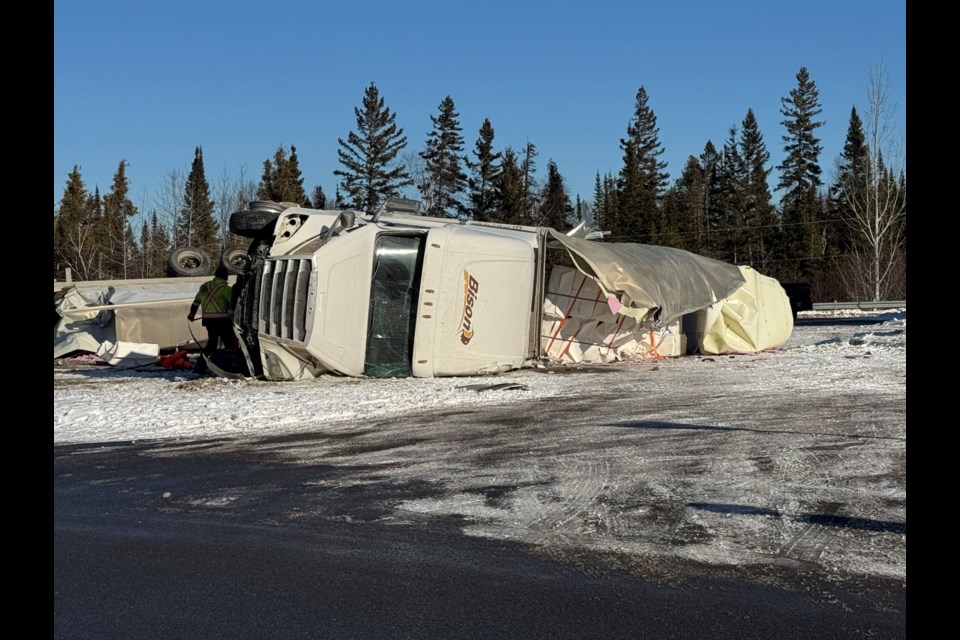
{"x": 246, "y": 353}
{"x": 217, "y": 371}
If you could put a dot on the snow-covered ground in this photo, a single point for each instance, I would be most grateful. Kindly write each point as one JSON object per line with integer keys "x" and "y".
{"x": 100, "y": 404}
{"x": 795, "y": 455}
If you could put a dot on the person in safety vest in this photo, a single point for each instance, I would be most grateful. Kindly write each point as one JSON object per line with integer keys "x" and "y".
{"x": 216, "y": 315}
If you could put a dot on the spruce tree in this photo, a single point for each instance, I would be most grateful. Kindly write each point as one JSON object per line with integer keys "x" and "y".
{"x": 159, "y": 248}
{"x": 642, "y": 179}
{"x": 710, "y": 161}
{"x": 690, "y": 193}
{"x": 555, "y": 208}
{"x": 800, "y": 176}
{"x": 97, "y": 270}
{"x": 727, "y": 213}
{"x": 635, "y": 213}
{"x": 116, "y": 235}
{"x": 669, "y": 224}
{"x": 511, "y": 202}
{"x": 599, "y": 204}
{"x": 759, "y": 221}
{"x": 318, "y": 199}
{"x": 195, "y": 225}
{"x": 443, "y": 157}
{"x": 611, "y": 199}
{"x": 580, "y": 210}
{"x": 851, "y": 173}
{"x": 75, "y": 244}
{"x": 143, "y": 248}
{"x": 369, "y": 174}
{"x": 484, "y": 172}
{"x": 282, "y": 180}
{"x": 531, "y": 194}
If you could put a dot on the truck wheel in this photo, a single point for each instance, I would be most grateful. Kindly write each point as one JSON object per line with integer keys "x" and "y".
{"x": 235, "y": 259}
{"x": 248, "y": 223}
{"x": 269, "y": 205}
{"x": 189, "y": 261}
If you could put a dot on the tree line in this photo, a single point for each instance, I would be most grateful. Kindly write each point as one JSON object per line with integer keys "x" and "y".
{"x": 847, "y": 238}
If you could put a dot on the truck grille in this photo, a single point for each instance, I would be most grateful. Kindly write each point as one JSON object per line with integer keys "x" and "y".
{"x": 285, "y": 303}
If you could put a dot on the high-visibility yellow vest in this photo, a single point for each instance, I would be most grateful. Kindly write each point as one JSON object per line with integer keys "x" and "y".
{"x": 214, "y": 299}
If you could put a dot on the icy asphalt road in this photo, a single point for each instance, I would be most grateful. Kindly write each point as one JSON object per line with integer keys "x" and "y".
{"x": 793, "y": 458}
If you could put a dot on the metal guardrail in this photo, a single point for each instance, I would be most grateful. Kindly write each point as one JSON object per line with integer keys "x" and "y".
{"x": 865, "y": 306}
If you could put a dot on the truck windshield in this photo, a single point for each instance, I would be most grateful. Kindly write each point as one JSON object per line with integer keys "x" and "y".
{"x": 393, "y": 306}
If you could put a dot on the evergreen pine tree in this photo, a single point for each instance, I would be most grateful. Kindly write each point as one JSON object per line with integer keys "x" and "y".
{"x": 282, "y": 180}
{"x": 511, "y": 202}
{"x": 75, "y": 244}
{"x": 531, "y": 194}
{"x": 368, "y": 175}
{"x": 195, "y": 226}
{"x": 159, "y": 249}
{"x": 759, "y": 221}
{"x": 611, "y": 199}
{"x": 800, "y": 177}
{"x": 635, "y": 215}
{"x": 727, "y": 214}
{"x": 851, "y": 173}
{"x": 710, "y": 161}
{"x": 318, "y": 199}
{"x": 690, "y": 193}
{"x": 579, "y": 210}
{"x": 642, "y": 179}
{"x": 143, "y": 251}
{"x": 483, "y": 175}
{"x": 97, "y": 269}
{"x": 555, "y": 208}
{"x": 669, "y": 220}
{"x": 599, "y": 204}
{"x": 116, "y": 235}
{"x": 443, "y": 156}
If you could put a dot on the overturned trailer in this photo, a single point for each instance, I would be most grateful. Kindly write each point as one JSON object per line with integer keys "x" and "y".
{"x": 394, "y": 294}
{"x": 125, "y": 322}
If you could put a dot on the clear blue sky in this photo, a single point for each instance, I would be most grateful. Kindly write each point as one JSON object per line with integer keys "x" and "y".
{"x": 148, "y": 82}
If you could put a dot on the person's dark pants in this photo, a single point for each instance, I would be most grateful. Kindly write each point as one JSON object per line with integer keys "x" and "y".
{"x": 219, "y": 332}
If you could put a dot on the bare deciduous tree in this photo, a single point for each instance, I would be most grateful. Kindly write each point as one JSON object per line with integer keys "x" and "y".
{"x": 169, "y": 199}
{"x": 224, "y": 197}
{"x": 876, "y": 198}
{"x": 416, "y": 168}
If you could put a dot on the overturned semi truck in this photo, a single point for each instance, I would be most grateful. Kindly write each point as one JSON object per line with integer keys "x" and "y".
{"x": 396, "y": 294}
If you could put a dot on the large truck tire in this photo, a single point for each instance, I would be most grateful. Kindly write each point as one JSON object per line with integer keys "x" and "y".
{"x": 189, "y": 261}
{"x": 234, "y": 259}
{"x": 250, "y": 223}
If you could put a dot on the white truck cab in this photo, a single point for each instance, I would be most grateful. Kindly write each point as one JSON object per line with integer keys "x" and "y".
{"x": 390, "y": 296}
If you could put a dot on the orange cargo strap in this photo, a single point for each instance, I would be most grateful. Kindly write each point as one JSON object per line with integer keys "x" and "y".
{"x": 617, "y": 332}
{"x": 566, "y": 315}
{"x": 653, "y": 345}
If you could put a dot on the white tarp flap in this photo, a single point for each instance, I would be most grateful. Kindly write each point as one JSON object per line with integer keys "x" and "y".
{"x": 128, "y": 354}
{"x": 126, "y": 291}
{"x": 647, "y": 277}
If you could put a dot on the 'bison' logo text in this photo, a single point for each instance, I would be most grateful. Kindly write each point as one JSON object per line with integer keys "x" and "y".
{"x": 470, "y": 288}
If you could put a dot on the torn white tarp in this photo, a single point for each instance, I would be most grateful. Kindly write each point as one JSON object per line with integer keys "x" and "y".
{"x": 579, "y": 325}
{"x": 660, "y": 282}
{"x": 128, "y": 354}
